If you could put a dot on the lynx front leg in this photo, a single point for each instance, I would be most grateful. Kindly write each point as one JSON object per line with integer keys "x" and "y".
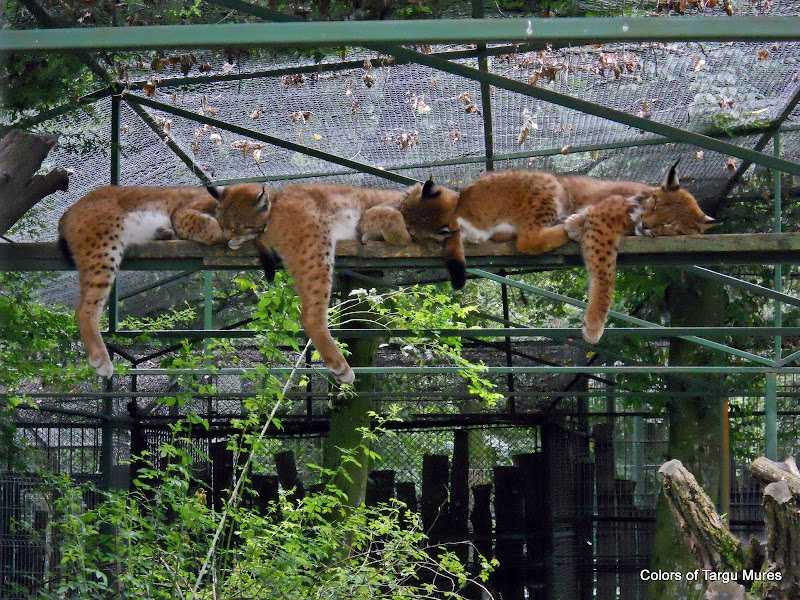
{"x": 600, "y": 256}
{"x": 384, "y": 223}
{"x": 193, "y": 223}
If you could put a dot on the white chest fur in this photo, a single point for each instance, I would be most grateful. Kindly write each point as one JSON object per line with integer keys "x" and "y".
{"x": 474, "y": 235}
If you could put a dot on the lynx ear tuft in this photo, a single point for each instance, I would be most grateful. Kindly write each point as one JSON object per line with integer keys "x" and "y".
{"x": 215, "y": 190}
{"x": 430, "y": 189}
{"x": 671, "y": 183}
{"x": 262, "y": 202}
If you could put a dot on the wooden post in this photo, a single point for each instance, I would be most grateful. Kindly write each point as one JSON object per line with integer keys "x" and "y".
{"x": 266, "y": 488}
{"x": 287, "y": 475}
{"x": 509, "y": 548}
{"x": 459, "y": 494}
{"x": 221, "y": 472}
{"x": 433, "y": 505}
{"x": 407, "y": 494}
{"x": 606, "y": 474}
{"x": 626, "y": 539}
{"x": 537, "y": 548}
{"x": 380, "y": 488}
{"x": 481, "y": 519}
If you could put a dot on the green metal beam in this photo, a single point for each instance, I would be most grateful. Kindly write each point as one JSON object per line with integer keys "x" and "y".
{"x": 430, "y": 370}
{"x": 574, "y": 30}
{"x": 45, "y": 115}
{"x": 599, "y": 110}
{"x": 182, "y": 155}
{"x": 487, "y": 332}
{"x": 623, "y": 317}
{"x": 339, "y": 160}
{"x": 744, "y": 285}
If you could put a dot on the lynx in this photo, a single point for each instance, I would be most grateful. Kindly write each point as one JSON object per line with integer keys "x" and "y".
{"x": 98, "y": 228}
{"x": 306, "y": 222}
{"x": 543, "y": 211}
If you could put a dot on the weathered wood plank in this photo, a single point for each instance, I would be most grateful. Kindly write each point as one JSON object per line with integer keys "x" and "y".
{"x": 748, "y": 248}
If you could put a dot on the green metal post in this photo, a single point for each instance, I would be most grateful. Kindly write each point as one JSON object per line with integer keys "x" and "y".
{"x": 638, "y": 459}
{"x": 771, "y": 397}
{"x": 208, "y": 304}
{"x": 486, "y": 93}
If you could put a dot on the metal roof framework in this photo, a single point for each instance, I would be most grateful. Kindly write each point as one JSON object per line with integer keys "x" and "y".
{"x": 386, "y": 39}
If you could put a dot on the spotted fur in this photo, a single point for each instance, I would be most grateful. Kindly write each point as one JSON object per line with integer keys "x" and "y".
{"x": 99, "y": 227}
{"x": 307, "y": 221}
{"x": 543, "y": 211}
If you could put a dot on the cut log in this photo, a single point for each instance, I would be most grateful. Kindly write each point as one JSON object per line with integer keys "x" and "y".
{"x": 21, "y": 155}
{"x": 771, "y": 471}
{"x": 783, "y": 542}
{"x": 714, "y": 547}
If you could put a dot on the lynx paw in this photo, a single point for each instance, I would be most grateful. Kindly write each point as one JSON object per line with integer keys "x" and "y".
{"x": 103, "y": 367}
{"x": 165, "y": 233}
{"x": 345, "y": 375}
{"x": 592, "y": 334}
{"x": 573, "y": 227}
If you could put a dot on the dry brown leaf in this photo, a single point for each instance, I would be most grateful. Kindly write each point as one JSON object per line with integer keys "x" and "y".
{"x": 368, "y": 79}
{"x": 730, "y": 164}
{"x": 455, "y": 136}
{"x": 256, "y": 113}
{"x": 699, "y": 155}
{"x": 699, "y": 63}
{"x": 763, "y": 54}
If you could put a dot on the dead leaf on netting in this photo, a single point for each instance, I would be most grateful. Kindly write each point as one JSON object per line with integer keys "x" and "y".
{"x": 566, "y": 149}
{"x": 471, "y": 108}
{"x": 216, "y": 138}
{"x": 455, "y": 136}
{"x": 730, "y": 164}
{"x": 367, "y": 64}
{"x": 465, "y": 97}
{"x": 186, "y": 62}
{"x": 699, "y": 63}
{"x": 198, "y": 133}
{"x": 227, "y": 67}
{"x": 256, "y": 113}
{"x": 353, "y": 107}
{"x": 348, "y": 87}
{"x": 699, "y": 155}
{"x": 368, "y": 79}
{"x": 123, "y": 128}
{"x": 644, "y": 112}
{"x": 526, "y": 128}
{"x": 728, "y": 7}
{"x": 195, "y": 147}
{"x": 406, "y": 139}
{"x": 301, "y": 115}
{"x": 293, "y": 80}
{"x": 165, "y": 125}
{"x": 149, "y": 88}
{"x": 726, "y": 102}
{"x": 257, "y": 154}
{"x": 763, "y": 54}
{"x": 175, "y": 98}
{"x": 433, "y": 83}
{"x": 246, "y": 147}
{"x": 205, "y": 68}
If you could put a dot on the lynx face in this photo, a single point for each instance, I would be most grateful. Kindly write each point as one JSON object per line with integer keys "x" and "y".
{"x": 670, "y": 210}
{"x": 243, "y": 210}
{"x": 429, "y": 211}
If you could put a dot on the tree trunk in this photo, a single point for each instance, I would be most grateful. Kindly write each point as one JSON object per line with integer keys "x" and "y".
{"x": 21, "y": 155}
{"x": 694, "y": 435}
{"x": 350, "y": 414}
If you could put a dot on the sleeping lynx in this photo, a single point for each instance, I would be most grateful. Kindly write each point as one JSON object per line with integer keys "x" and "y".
{"x": 98, "y": 228}
{"x": 543, "y": 211}
{"x": 305, "y": 223}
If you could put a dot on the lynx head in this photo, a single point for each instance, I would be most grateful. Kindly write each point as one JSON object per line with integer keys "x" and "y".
{"x": 243, "y": 210}
{"x": 670, "y": 210}
{"x": 428, "y": 210}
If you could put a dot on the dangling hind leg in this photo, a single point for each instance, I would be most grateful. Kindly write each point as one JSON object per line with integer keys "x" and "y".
{"x": 95, "y": 287}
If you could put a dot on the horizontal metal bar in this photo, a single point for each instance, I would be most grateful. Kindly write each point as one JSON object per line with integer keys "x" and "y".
{"x": 428, "y": 31}
{"x": 605, "y": 112}
{"x": 431, "y": 370}
{"x": 275, "y": 141}
{"x": 176, "y": 255}
{"x": 486, "y": 332}
{"x": 744, "y": 285}
{"x": 621, "y": 316}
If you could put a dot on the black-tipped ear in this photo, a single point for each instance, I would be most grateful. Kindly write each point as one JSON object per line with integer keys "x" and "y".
{"x": 430, "y": 189}
{"x": 215, "y": 190}
{"x": 262, "y": 202}
{"x": 671, "y": 183}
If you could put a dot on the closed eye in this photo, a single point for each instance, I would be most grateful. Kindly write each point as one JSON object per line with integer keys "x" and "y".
{"x": 444, "y": 230}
